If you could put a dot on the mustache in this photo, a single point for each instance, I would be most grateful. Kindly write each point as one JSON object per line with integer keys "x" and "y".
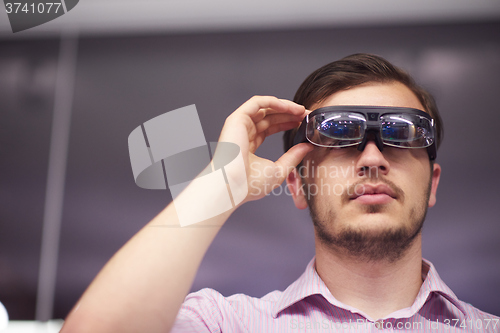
{"x": 398, "y": 192}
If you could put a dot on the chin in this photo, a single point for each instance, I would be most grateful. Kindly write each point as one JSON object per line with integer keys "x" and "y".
{"x": 374, "y": 225}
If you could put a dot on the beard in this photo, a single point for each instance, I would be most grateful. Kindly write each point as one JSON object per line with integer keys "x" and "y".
{"x": 369, "y": 245}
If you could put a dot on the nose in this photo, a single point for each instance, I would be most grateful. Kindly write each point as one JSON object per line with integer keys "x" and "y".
{"x": 371, "y": 162}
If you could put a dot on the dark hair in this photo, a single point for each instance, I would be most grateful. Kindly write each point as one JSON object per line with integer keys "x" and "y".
{"x": 352, "y": 71}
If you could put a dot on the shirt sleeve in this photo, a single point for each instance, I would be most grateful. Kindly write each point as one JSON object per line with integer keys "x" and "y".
{"x": 200, "y": 312}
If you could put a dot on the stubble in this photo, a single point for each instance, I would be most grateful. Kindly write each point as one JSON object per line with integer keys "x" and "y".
{"x": 369, "y": 245}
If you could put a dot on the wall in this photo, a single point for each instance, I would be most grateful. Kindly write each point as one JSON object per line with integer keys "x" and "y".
{"x": 123, "y": 81}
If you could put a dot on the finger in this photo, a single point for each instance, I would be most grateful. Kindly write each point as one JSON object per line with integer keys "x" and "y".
{"x": 263, "y": 113}
{"x": 289, "y": 160}
{"x": 240, "y": 127}
{"x": 262, "y": 104}
{"x": 276, "y": 119}
{"x": 260, "y": 137}
{"x": 294, "y": 108}
{"x": 287, "y": 101}
{"x": 280, "y": 128}
{"x": 239, "y": 130}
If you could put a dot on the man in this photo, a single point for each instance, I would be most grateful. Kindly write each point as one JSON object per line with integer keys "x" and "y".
{"x": 371, "y": 121}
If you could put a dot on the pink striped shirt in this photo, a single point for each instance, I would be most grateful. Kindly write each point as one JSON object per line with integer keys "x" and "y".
{"x": 308, "y": 306}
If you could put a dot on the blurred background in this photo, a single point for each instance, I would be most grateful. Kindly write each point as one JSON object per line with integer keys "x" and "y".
{"x": 72, "y": 90}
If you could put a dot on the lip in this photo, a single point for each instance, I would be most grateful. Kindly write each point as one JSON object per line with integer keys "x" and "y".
{"x": 373, "y": 194}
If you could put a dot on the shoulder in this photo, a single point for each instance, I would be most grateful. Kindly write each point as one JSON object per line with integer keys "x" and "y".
{"x": 477, "y": 320}
{"x": 209, "y": 310}
{"x": 473, "y": 312}
{"x": 236, "y": 302}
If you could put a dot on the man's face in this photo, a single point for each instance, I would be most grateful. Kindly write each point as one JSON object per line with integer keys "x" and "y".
{"x": 369, "y": 204}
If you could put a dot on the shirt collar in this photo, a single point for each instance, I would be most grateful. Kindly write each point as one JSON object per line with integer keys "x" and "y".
{"x": 433, "y": 284}
{"x": 309, "y": 283}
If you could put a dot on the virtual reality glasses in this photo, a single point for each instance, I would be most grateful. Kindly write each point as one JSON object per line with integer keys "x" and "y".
{"x": 344, "y": 126}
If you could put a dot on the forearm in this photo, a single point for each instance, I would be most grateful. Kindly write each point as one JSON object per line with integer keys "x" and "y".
{"x": 143, "y": 286}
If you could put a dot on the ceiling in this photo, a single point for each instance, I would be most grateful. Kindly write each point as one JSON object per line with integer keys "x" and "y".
{"x": 113, "y": 17}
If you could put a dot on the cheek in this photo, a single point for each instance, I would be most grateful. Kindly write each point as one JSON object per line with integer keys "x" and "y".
{"x": 332, "y": 155}
{"x": 417, "y": 181}
{"x": 405, "y": 155}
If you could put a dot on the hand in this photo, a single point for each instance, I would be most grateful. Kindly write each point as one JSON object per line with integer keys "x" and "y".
{"x": 248, "y": 127}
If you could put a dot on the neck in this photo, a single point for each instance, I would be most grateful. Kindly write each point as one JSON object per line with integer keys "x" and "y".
{"x": 377, "y": 288}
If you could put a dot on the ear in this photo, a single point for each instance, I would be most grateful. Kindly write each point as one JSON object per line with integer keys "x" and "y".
{"x": 294, "y": 182}
{"x": 436, "y": 174}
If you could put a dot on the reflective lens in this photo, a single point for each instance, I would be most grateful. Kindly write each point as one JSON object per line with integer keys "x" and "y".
{"x": 338, "y": 129}
{"x": 341, "y": 129}
{"x": 406, "y": 130}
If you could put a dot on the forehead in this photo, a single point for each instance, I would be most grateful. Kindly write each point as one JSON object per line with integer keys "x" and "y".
{"x": 374, "y": 93}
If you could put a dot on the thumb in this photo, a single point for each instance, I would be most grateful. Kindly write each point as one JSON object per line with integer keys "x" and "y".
{"x": 289, "y": 160}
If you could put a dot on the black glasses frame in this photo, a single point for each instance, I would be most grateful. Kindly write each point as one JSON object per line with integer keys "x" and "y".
{"x": 372, "y": 115}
